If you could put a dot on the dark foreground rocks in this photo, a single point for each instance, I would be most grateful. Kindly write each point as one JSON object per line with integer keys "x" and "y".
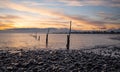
{"x": 57, "y": 61}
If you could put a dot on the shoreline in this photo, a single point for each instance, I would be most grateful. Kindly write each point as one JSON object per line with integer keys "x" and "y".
{"x": 58, "y": 61}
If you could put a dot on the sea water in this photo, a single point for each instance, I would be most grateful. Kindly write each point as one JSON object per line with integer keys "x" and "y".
{"x": 55, "y": 41}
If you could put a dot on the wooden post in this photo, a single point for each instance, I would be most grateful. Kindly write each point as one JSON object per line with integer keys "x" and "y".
{"x": 38, "y": 38}
{"x": 68, "y": 37}
{"x": 47, "y": 38}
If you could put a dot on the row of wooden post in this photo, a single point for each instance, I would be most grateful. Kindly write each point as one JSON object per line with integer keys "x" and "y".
{"x": 68, "y": 37}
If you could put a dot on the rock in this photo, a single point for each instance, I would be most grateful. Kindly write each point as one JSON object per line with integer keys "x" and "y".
{"x": 9, "y": 68}
{"x": 40, "y": 63}
{"x": 20, "y": 70}
{"x": 15, "y": 64}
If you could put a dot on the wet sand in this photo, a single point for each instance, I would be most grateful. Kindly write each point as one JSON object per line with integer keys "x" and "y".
{"x": 57, "y": 61}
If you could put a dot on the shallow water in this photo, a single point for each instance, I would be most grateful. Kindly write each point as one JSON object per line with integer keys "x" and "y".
{"x": 56, "y": 41}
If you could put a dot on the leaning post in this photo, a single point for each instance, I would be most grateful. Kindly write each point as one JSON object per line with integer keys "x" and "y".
{"x": 68, "y": 37}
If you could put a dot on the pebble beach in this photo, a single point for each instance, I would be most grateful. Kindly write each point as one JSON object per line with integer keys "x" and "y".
{"x": 57, "y": 61}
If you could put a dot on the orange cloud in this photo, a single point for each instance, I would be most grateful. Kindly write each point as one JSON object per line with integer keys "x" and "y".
{"x": 84, "y": 23}
{"x": 4, "y": 25}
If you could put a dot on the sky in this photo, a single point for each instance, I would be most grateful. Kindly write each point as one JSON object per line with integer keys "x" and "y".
{"x": 84, "y": 14}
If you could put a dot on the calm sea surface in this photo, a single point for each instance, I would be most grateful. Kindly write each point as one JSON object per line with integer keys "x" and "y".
{"x": 56, "y": 41}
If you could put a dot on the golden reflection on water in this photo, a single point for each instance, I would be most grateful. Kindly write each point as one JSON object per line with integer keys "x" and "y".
{"x": 56, "y": 41}
{"x": 17, "y": 40}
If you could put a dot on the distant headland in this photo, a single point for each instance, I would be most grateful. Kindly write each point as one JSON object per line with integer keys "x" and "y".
{"x": 59, "y": 31}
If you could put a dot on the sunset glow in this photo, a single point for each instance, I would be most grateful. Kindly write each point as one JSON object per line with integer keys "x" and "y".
{"x": 85, "y": 15}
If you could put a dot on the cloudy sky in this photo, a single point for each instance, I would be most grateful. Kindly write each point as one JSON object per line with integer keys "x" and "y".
{"x": 84, "y": 14}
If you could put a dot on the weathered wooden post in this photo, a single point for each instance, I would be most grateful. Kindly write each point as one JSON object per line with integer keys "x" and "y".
{"x": 68, "y": 37}
{"x": 36, "y": 35}
{"x": 47, "y": 38}
{"x": 38, "y": 38}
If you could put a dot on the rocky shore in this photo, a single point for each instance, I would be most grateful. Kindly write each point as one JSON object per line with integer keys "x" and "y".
{"x": 105, "y": 50}
{"x": 57, "y": 61}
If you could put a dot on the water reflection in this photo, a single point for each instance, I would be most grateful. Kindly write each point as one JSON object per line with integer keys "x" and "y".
{"x": 26, "y": 41}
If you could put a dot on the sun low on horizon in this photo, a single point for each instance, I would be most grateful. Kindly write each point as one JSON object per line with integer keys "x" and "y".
{"x": 84, "y": 14}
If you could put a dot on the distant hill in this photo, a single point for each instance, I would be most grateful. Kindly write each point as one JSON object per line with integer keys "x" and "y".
{"x": 34, "y": 30}
{"x": 58, "y": 31}
{"x": 115, "y": 30}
